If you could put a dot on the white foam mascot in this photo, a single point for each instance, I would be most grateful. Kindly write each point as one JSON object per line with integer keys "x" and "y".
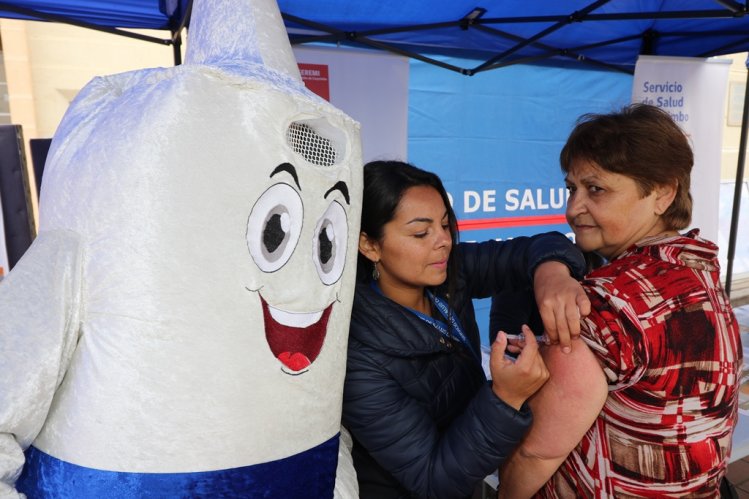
{"x": 178, "y": 328}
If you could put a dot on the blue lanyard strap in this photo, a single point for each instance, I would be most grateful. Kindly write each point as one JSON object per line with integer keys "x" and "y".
{"x": 457, "y": 330}
{"x": 444, "y": 309}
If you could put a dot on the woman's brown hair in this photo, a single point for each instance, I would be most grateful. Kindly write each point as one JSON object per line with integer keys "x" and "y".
{"x": 642, "y": 142}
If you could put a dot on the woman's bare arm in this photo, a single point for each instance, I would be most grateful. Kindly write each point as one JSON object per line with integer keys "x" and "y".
{"x": 563, "y": 410}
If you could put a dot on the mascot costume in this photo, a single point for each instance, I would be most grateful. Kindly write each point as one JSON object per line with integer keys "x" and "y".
{"x": 178, "y": 328}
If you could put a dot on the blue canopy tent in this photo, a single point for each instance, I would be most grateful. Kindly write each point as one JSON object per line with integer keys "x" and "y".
{"x": 608, "y": 34}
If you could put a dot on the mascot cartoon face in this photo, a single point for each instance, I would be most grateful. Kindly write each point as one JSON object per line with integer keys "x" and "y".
{"x": 302, "y": 221}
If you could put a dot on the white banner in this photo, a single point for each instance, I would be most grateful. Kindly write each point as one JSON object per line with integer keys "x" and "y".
{"x": 371, "y": 87}
{"x": 692, "y": 90}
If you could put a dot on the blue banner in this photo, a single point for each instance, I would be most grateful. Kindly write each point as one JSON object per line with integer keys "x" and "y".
{"x": 494, "y": 139}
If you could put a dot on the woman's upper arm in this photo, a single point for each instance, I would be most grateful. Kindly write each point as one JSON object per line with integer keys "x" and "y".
{"x": 568, "y": 404}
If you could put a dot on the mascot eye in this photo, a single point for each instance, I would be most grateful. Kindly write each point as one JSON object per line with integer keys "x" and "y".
{"x": 329, "y": 244}
{"x": 274, "y": 227}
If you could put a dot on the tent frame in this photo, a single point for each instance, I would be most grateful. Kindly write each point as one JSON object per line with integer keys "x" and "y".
{"x": 322, "y": 33}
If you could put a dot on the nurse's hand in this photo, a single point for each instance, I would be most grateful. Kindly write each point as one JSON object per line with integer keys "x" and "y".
{"x": 515, "y": 380}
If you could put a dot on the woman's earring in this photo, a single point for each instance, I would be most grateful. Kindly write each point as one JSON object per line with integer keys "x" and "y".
{"x": 375, "y": 271}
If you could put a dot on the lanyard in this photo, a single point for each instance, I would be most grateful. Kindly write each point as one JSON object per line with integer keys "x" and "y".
{"x": 444, "y": 310}
{"x": 455, "y": 327}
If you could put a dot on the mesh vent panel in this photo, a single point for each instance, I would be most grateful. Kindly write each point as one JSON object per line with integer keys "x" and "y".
{"x": 313, "y": 147}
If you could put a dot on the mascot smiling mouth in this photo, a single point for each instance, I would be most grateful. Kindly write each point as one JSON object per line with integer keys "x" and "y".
{"x": 295, "y": 338}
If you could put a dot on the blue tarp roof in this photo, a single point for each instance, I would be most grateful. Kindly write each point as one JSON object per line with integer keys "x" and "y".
{"x": 109, "y": 16}
{"x": 154, "y": 14}
{"x": 608, "y": 33}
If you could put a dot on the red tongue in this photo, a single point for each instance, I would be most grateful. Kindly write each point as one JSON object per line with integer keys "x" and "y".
{"x": 294, "y": 361}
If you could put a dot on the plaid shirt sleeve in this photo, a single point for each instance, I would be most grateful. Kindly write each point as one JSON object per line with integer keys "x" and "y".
{"x": 615, "y": 336}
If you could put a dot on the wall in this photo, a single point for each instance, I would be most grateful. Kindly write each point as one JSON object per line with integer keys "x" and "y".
{"x": 46, "y": 64}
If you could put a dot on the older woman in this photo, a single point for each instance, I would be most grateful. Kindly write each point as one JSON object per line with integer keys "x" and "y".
{"x": 645, "y": 405}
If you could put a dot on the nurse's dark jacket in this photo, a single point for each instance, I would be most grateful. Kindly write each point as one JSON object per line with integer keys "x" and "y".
{"x": 424, "y": 419}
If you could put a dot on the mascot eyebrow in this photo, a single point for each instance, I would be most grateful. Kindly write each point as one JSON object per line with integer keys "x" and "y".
{"x": 339, "y": 186}
{"x": 289, "y": 168}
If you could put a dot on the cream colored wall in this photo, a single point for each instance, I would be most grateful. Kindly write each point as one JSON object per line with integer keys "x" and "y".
{"x": 47, "y": 64}
{"x": 52, "y": 62}
{"x": 18, "y": 75}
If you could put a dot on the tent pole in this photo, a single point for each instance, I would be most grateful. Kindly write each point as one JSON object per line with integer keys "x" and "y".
{"x": 176, "y": 30}
{"x": 177, "y": 49}
{"x": 737, "y": 188}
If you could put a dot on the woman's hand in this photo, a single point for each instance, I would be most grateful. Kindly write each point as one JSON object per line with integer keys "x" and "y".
{"x": 515, "y": 380}
{"x": 561, "y": 301}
